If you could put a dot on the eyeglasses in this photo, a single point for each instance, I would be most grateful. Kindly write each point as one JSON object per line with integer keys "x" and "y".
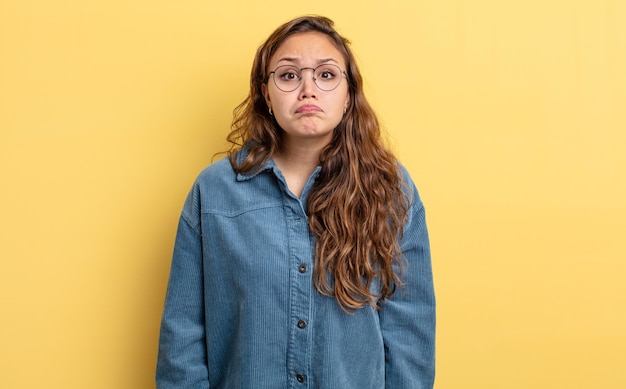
{"x": 288, "y": 78}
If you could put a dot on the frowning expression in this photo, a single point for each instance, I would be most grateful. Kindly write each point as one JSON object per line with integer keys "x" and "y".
{"x": 307, "y": 112}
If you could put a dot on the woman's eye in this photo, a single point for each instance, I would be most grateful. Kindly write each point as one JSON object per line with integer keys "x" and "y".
{"x": 327, "y": 75}
{"x": 288, "y": 76}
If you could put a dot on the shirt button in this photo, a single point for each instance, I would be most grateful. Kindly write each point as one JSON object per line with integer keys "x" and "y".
{"x": 300, "y": 378}
{"x": 302, "y": 268}
{"x": 301, "y": 324}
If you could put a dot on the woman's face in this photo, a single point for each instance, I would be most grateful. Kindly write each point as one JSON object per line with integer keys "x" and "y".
{"x": 308, "y": 112}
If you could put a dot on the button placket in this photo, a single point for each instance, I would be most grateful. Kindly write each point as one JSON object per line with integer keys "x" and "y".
{"x": 300, "y": 257}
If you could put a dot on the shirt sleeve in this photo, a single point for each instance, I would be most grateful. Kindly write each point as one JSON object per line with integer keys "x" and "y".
{"x": 182, "y": 359}
{"x": 407, "y": 319}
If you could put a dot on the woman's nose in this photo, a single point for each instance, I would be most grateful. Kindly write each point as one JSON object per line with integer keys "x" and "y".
{"x": 308, "y": 88}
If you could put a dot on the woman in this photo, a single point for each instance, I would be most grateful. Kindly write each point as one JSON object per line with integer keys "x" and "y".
{"x": 302, "y": 260}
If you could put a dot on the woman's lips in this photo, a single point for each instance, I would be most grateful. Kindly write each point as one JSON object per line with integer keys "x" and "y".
{"x": 308, "y": 108}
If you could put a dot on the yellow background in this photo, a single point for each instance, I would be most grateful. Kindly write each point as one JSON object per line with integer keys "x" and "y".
{"x": 510, "y": 115}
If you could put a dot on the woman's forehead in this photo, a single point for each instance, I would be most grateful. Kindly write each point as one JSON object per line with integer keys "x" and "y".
{"x": 307, "y": 48}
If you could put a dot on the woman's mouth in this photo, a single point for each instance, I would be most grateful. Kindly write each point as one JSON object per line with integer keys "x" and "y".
{"x": 308, "y": 108}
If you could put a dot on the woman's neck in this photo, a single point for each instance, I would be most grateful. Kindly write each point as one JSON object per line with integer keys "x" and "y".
{"x": 297, "y": 162}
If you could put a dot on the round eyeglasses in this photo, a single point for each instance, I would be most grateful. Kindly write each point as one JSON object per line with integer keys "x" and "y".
{"x": 326, "y": 76}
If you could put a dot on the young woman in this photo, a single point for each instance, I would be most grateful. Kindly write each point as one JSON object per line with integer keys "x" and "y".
{"x": 302, "y": 260}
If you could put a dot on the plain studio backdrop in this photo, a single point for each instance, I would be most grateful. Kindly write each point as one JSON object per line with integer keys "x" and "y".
{"x": 510, "y": 115}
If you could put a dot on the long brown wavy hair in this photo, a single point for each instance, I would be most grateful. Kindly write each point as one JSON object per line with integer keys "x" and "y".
{"x": 358, "y": 205}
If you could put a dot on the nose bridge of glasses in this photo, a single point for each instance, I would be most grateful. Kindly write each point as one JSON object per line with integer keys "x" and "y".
{"x": 306, "y": 82}
{"x": 313, "y": 71}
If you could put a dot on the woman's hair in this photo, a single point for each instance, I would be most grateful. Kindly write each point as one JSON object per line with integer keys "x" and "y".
{"x": 357, "y": 205}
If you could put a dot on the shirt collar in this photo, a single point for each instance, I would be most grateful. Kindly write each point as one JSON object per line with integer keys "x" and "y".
{"x": 270, "y": 165}
{"x": 242, "y": 154}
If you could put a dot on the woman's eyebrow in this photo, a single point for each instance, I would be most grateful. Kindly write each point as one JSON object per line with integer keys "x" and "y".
{"x": 288, "y": 59}
{"x": 324, "y": 60}
{"x": 297, "y": 60}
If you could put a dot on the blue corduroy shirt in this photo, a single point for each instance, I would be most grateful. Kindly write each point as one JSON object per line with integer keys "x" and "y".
{"x": 241, "y": 309}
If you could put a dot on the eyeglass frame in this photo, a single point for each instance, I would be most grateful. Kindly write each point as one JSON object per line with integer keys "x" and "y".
{"x": 273, "y": 73}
